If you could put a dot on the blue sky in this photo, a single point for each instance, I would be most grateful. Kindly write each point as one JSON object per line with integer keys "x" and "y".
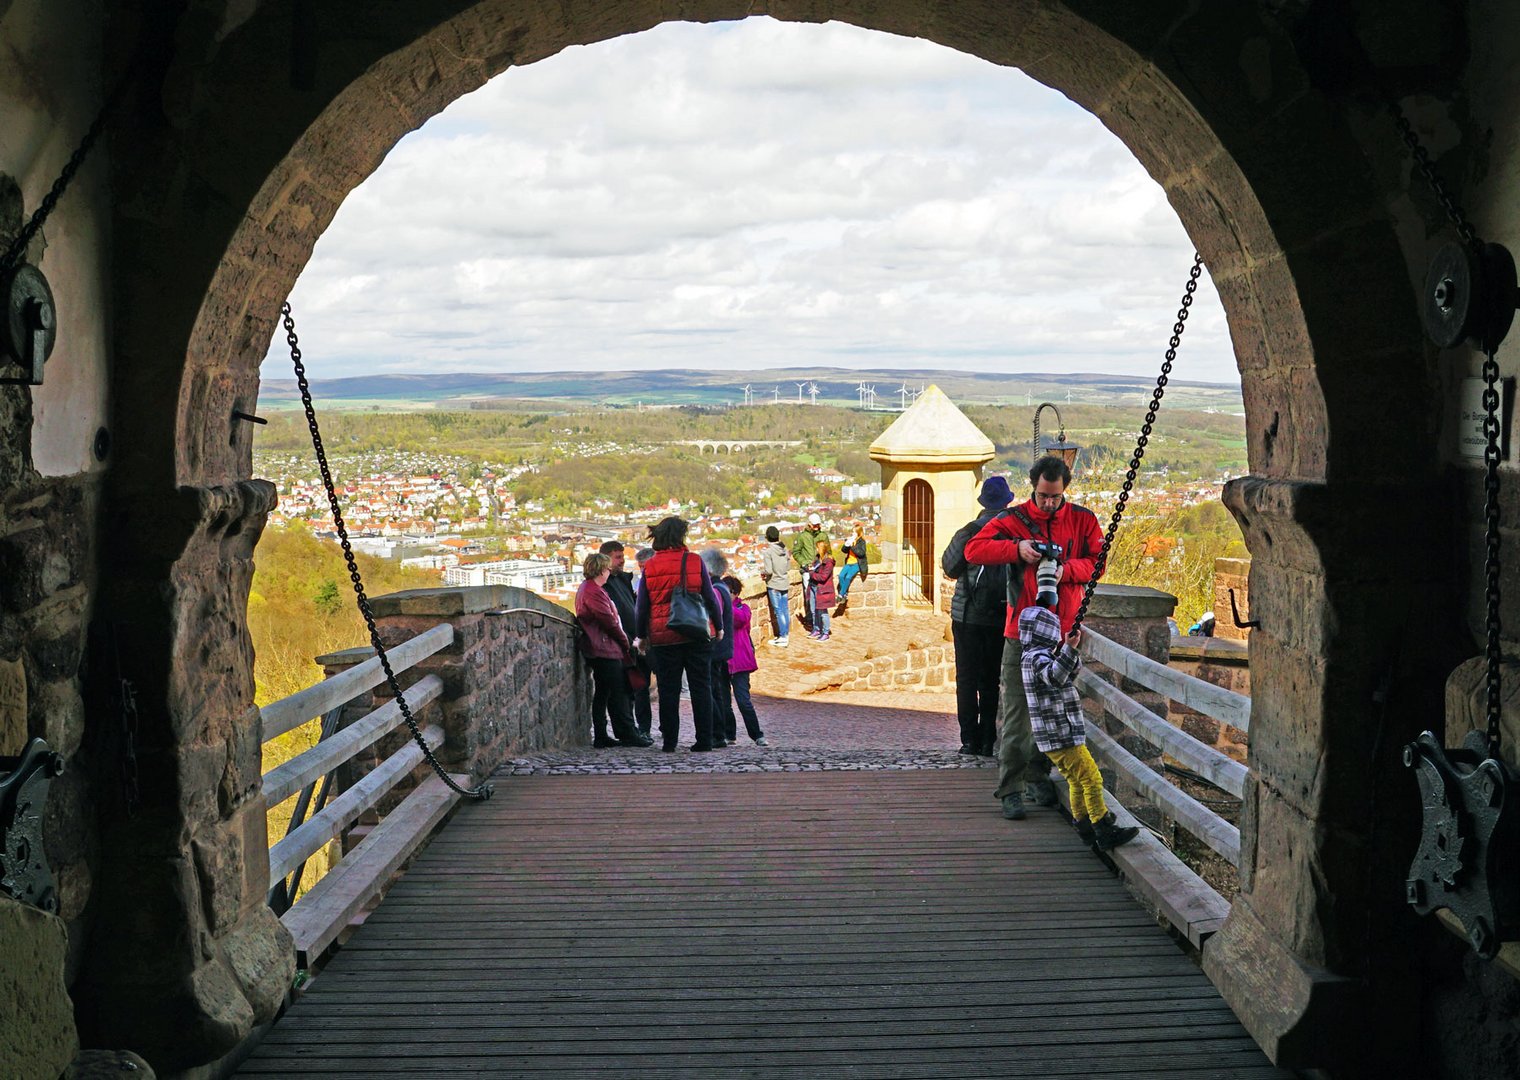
{"x": 755, "y": 194}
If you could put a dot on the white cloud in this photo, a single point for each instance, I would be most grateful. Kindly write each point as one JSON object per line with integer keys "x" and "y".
{"x": 755, "y": 194}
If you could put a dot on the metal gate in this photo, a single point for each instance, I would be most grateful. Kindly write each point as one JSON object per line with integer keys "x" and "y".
{"x": 918, "y": 543}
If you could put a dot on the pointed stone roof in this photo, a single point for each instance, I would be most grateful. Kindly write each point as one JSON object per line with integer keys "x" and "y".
{"x": 934, "y": 431}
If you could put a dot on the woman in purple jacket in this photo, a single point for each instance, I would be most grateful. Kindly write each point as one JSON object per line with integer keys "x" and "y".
{"x": 607, "y": 652}
{"x": 740, "y": 665}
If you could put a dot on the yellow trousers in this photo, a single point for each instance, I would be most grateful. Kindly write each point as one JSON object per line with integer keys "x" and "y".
{"x": 1082, "y": 777}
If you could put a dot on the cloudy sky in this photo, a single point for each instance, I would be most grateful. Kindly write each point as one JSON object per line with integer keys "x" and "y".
{"x": 755, "y": 194}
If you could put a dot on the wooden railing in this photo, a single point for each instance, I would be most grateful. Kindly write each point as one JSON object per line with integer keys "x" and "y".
{"x": 1187, "y": 901}
{"x": 317, "y": 918}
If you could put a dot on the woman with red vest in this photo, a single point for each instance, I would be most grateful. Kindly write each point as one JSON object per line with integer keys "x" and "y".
{"x": 670, "y": 652}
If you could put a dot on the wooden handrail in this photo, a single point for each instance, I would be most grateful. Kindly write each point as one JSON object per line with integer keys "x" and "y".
{"x": 311, "y": 764}
{"x": 1214, "y": 701}
{"x": 339, "y": 813}
{"x": 291, "y": 712}
{"x": 1219, "y": 769}
{"x": 1177, "y": 804}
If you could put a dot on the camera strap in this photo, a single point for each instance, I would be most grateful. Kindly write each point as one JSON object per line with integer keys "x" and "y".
{"x": 1016, "y": 580}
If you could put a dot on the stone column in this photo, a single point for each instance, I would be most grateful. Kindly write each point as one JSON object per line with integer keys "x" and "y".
{"x": 1349, "y": 663}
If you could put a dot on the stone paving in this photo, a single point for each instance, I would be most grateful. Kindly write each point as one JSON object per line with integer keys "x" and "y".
{"x": 828, "y": 731}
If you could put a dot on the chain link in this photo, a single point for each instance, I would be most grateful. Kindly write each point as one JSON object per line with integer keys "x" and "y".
{"x": 131, "y": 789}
{"x": 16, "y": 251}
{"x": 483, "y": 791}
{"x": 1491, "y": 433}
{"x": 1143, "y": 440}
{"x": 1421, "y": 157}
{"x": 1491, "y": 544}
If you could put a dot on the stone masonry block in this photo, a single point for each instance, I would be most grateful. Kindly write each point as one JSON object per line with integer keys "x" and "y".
{"x": 37, "y": 1034}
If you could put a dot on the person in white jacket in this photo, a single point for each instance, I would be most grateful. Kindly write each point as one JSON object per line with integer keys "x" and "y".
{"x": 776, "y": 571}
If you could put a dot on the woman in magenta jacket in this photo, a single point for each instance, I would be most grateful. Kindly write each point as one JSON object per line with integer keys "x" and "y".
{"x": 607, "y": 650}
{"x": 739, "y": 668}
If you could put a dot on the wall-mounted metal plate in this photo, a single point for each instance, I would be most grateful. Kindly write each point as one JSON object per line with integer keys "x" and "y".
{"x": 28, "y": 324}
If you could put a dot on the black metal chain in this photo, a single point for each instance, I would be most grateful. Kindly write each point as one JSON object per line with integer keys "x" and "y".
{"x": 1491, "y": 434}
{"x": 1144, "y": 439}
{"x": 483, "y": 791}
{"x": 16, "y": 251}
{"x": 1491, "y": 544}
{"x": 1437, "y": 185}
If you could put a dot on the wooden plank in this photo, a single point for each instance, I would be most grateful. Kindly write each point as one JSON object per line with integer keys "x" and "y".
{"x": 1224, "y": 705}
{"x": 341, "y": 812}
{"x": 281, "y": 716}
{"x": 713, "y": 925}
{"x": 285, "y": 780}
{"x": 319, "y": 917}
{"x": 1219, "y": 769}
{"x": 1177, "y": 804}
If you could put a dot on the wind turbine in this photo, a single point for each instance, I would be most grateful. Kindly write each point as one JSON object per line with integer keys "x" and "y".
{"x": 871, "y": 397}
{"x": 860, "y": 392}
{"x": 813, "y": 392}
{"x": 749, "y": 394}
{"x": 902, "y": 393}
{"x": 776, "y": 390}
{"x": 800, "y": 388}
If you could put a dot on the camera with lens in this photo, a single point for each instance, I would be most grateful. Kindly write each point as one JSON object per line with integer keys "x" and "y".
{"x": 1046, "y": 573}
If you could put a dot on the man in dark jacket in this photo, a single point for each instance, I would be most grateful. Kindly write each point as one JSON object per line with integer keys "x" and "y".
{"x": 620, "y": 589}
{"x": 978, "y": 612}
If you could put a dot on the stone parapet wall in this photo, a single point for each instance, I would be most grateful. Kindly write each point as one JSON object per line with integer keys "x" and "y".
{"x": 930, "y": 669}
{"x": 513, "y": 680}
{"x": 1225, "y": 663}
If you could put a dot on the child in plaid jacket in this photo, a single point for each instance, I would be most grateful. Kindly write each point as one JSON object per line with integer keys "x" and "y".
{"x": 1049, "y": 667}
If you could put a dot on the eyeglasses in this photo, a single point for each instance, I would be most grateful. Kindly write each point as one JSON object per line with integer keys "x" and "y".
{"x": 1043, "y": 499}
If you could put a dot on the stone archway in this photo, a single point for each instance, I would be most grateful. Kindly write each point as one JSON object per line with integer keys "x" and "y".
{"x": 241, "y": 172}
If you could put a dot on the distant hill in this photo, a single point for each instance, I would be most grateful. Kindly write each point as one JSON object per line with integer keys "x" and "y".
{"x": 836, "y": 386}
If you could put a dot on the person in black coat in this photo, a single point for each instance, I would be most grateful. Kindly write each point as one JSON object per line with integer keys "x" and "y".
{"x": 978, "y": 611}
{"x": 620, "y": 588}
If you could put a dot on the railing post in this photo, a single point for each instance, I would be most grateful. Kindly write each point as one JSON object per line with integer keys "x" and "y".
{"x": 1135, "y": 617}
{"x": 513, "y": 681}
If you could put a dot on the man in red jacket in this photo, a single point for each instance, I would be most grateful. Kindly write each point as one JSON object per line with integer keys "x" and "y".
{"x": 1047, "y": 516}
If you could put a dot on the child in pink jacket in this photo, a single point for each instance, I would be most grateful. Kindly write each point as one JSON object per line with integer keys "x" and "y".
{"x": 739, "y": 669}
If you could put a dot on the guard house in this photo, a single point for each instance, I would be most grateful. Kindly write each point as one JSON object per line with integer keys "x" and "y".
{"x": 931, "y": 467}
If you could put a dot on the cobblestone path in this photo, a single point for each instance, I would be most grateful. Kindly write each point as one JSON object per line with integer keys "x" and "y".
{"x": 822, "y": 732}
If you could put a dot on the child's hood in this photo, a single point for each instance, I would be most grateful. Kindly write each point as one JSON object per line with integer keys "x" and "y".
{"x": 1039, "y": 628}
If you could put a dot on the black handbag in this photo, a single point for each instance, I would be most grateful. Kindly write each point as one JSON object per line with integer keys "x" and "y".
{"x": 688, "y": 614}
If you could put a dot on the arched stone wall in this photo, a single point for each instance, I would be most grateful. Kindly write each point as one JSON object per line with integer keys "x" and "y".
{"x": 228, "y": 171}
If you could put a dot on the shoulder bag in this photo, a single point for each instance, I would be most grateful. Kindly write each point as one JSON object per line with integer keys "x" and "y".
{"x": 688, "y": 614}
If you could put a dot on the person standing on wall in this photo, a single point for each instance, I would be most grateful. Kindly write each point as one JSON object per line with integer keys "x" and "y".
{"x": 805, "y": 555}
{"x": 641, "y": 675}
{"x": 1008, "y": 540}
{"x": 854, "y": 566}
{"x": 673, "y": 653}
{"x": 722, "y": 649}
{"x": 978, "y": 614}
{"x": 619, "y": 590}
{"x": 607, "y": 649}
{"x": 776, "y": 572}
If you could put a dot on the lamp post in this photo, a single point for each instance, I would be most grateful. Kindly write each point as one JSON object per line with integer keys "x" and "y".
{"x": 1062, "y": 449}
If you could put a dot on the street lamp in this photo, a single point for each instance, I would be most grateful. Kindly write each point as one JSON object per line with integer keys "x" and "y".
{"x": 1062, "y": 449}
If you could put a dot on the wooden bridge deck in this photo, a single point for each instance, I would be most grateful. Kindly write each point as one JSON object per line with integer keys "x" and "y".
{"x": 874, "y": 924}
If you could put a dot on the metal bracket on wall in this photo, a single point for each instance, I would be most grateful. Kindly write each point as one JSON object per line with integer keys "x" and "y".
{"x": 28, "y": 324}
{"x": 24, "y": 871}
{"x": 1235, "y": 616}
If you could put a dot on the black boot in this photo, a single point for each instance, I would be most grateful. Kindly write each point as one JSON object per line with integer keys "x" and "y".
{"x": 1108, "y": 834}
{"x": 1085, "y": 831}
{"x": 602, "y": 741}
